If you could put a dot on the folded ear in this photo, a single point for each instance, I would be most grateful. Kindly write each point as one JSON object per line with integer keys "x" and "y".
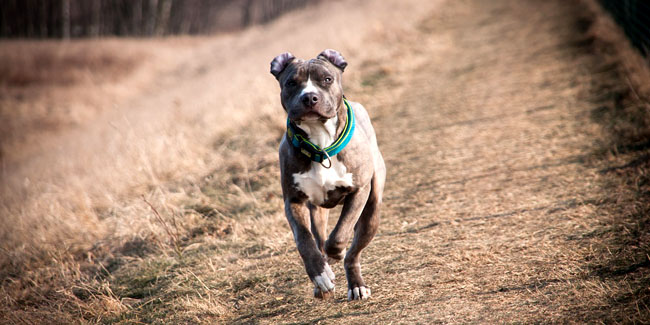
{"x": 280, "y": 62}
{"x": 334, "y": 57}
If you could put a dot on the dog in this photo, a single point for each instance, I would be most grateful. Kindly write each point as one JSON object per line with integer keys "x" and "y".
{"x": 328, "y": 156}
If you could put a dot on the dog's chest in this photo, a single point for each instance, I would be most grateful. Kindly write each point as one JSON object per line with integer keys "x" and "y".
{"x": 318, "y": 181}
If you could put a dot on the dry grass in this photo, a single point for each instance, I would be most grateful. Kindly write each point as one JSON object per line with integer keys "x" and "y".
{"x": 26, "y": 64}
{"x": 49, "y": 87}
{"x": 70, "y": 198}
{"x": 522, "y": 195}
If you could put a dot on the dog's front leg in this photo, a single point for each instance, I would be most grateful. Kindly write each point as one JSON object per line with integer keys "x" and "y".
{"x": 317, "y": 268}
{"x": 319, "y": 217}
{"x": 352, "y": 208}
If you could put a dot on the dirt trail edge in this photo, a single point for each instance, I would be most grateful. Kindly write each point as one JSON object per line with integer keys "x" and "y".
{"x": 504, "y": 201}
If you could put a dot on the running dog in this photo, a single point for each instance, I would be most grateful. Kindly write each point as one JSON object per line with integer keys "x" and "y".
{"x": 329, "y": 156}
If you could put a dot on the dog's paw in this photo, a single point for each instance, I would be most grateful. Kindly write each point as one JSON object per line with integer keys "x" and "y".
{"x": 358, "y": 293}
{"x": 318, "y": 293}
{"x": 334, "y": 258}
{"x": 324, "y": 283}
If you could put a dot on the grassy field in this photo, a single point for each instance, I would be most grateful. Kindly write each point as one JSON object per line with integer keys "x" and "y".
{"x": 140, "y": 179}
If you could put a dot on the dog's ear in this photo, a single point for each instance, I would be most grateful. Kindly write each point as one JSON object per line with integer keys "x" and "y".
{"x": 334, "y": 57}
{"x": 280, "y": 62}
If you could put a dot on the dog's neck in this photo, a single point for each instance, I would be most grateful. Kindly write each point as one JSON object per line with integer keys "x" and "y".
{"x": 324, "y": 133}
{"x": 320, "y": 133}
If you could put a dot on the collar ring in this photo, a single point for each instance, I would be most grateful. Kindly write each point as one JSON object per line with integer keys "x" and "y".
{"x": 328, "y": 159}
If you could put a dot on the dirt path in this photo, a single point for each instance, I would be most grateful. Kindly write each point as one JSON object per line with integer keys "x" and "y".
{"x": 490, "y": 195}
{"x": 495, "y": 209}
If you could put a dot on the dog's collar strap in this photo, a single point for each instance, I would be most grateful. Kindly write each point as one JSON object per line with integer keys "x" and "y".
{"x": 313, "y": 151}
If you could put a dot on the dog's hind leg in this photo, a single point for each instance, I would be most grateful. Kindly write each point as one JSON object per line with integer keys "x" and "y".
{"x": 364, "y": 231}
{"x": 319, "y": 217}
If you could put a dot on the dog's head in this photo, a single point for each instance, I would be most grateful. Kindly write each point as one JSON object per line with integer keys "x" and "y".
{"x": 311, "y": 90}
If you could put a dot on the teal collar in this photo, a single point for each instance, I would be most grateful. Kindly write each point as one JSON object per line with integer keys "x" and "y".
{"x": 313, "y": 151}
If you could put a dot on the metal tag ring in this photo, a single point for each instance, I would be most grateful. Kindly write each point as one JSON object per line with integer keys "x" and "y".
{"x": 328, "y": 158}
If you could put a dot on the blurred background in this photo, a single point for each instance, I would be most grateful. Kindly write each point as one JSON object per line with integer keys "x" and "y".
{"x": 138, "y": 159}
{"x": 95, "y": 18}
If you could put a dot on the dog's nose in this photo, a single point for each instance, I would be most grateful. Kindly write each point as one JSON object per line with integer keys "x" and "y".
{"x": 309, "y": 99}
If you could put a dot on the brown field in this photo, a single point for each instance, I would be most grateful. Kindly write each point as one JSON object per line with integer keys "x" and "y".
{"x": 139, "y": 179}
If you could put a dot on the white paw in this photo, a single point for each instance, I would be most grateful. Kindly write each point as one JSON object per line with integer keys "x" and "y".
{"x": 324, "y": 281}
{"x": 359, "y": 293}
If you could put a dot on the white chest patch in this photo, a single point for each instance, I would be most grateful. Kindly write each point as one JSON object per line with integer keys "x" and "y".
{"x": 321, "y": 134}
{"x": 316, "y": 182}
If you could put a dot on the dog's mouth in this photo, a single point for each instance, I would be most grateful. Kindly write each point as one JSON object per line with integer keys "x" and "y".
{"x": 310, "y": 116}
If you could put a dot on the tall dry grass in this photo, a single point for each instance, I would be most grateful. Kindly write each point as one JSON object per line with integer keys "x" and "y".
{"x": 126, "y": 118}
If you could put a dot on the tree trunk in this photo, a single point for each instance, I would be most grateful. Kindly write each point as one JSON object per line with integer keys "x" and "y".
{"x": 96, "y": 18}
{"x": 165, "y": 11}
{"x": 248, "y": 14}
{"x": 43, "y": 20}
{"x": 136, "y": 28}
{"x": 152, "y": 17}
{"x": 65, "y": 19}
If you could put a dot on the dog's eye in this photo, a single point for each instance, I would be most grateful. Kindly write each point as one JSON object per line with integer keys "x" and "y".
{"x": 328, "y": 79}
{"x": 291, "y": 83}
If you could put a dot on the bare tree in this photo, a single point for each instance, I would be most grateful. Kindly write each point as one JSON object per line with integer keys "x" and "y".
{"x": 43, "y": 21}
{"x": 96, "y": 18}
{"x": 65, "y": 14}
{"x": 136, "y": 22}
{"x": 247, "y": 13}
{"x": 151, "y": 18}
{"x": 165, "y": 11}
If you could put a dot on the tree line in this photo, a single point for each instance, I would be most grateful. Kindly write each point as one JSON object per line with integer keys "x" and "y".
{"x": 634, "y": 17}
{"x": 96, "y": 18}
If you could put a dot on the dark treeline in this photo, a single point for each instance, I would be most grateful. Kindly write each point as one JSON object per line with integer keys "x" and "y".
{"x": 634, "y": 17}
{"x": 94, "y": 18}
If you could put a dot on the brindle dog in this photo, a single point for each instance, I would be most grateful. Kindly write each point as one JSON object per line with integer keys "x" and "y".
{"x": 312, "y": 96}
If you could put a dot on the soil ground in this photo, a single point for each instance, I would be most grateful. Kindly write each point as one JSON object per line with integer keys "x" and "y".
{"x": 518, "y": 187}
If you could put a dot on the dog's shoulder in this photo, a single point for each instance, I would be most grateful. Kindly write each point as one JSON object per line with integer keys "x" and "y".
{"x": 362, "y": 120}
